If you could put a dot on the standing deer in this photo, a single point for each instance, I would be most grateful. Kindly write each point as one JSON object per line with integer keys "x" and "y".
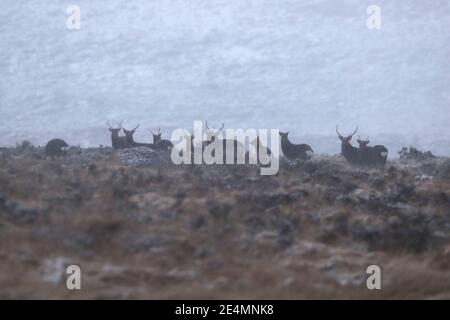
{"x": 161, "y": 144}
{"x": 350, "y": 153}
{"x": 294, "y": 151}
{"x": 130, "y": 140}
{"x": 117, "y": 142}
{"x": 375, "y": 156}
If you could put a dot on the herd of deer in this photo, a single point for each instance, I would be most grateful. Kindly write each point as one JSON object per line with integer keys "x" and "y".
{"x": 365, "y": 155}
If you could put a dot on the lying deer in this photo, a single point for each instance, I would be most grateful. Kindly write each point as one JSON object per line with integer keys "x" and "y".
{"x": 56, "y": 147}
{"x": 161, "y": 144}
{"x": 375, "y": 156}
{"x": 130, "y": 140}
{"x": 211, "y": 136}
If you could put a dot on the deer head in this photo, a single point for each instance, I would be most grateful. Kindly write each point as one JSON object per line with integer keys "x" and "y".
{"x": 156, "y": 136}
{"x": 114, "y": 131}
{"x": 129, "y": 133}
{"x": 362, "y": 143}
{"x": 212, "y": 133}
{"x": 284, "y": 134}
{"x": 347, "y": 139}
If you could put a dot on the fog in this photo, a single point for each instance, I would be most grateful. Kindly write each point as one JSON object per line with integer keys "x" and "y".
{"x": 300, "y": 66}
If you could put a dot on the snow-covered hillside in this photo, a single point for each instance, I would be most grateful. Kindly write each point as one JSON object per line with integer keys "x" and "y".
{"x": 296, "y": 65}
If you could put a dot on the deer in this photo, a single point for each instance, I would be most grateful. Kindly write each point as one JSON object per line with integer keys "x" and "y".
{"x": 190, "y": 147}
{"x": 350, "y": 153}
{"x": 375, "y": 156}
{"x": 161, "y": 144}
{"x": 212, "y": 134}
{"x": 130, "y": 140}
{"x": 56, "y": 147}
{"x": 258, "y": 146}
{"x": 294, "y": 151}
{"x": 117, "y": 142}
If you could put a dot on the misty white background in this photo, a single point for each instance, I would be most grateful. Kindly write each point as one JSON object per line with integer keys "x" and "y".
{"x": 297, "y": 65}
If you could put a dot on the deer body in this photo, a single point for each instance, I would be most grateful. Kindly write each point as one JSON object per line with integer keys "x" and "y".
{"x": 130, "y": 140}
{"x": 228, "y": 145}
{"x": 161, "y": 144}
{"x": 117, "y": 142}
{"x": 294, "y": 151}
{"x": 259, "y": 146}
{"x": 55, "y": 147}
{"x": 352, "y": 154}
{"x": 375, "y": 156}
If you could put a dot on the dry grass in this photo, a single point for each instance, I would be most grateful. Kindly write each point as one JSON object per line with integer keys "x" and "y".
{"x": 222, "y": 232}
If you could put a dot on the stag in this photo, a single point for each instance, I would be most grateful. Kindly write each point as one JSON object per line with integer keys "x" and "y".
{"x": 117, "y": 142}
{"x": 130, "y": 140}
{"x": 294, "y": 151}
{"x": 350, "y": 153}
{"x": 375, "y": 156}
{"x": 212, "y": 133}
{"x": 161, "y": 144}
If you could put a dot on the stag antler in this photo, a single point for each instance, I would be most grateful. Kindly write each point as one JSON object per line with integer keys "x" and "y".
{"x": 159, "y": 132}
{"x": 357, "y": 127}
{"x": 109, "y": 125}
{"x": 340, "y": 135}
{"x": 120, "y": 125}
{"x": 367, "y": 139}
{"x": 223, "y": 125}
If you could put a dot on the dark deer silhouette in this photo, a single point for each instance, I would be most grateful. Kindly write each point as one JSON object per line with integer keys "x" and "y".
{"x": 190, "y": 147}
{"x": 212, "y": 134}
{"x": 350, "y": 153}
{"x": 294, "y": 151}
{"x": 375, "y": 156}
{"x": 258, "y": 146}
{"x": 130, "y": 140}
{"x": 161, "y": 144}
{"x": 117, "y": 142}
{"x": 55, "y": 147}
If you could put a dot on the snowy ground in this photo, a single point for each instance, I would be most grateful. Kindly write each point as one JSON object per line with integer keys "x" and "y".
{"x": 295, "y": 65}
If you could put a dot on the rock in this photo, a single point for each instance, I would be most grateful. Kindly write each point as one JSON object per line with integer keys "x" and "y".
{"x": 153, "y": 201}
{"x": 423, "y": 177}
{"x": 143, "y": 156}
